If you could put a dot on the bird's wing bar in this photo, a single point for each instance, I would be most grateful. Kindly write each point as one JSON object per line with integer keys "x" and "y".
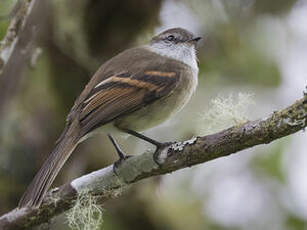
{"x": 124, "y": 93}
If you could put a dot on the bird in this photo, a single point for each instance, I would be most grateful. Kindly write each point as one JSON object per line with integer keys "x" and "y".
{"x": 133, "y": 91}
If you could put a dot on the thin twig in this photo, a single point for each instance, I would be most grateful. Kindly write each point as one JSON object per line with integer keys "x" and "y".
{"x": 16, "y": 47}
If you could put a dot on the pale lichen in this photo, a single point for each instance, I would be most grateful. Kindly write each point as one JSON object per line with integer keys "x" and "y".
{"x": 55, "y": 199}
{"x": 86, "y": 214}
{"x": 225, "y": 112}
{"x": 291, "y": 122}
{"x": 179, "y": 146}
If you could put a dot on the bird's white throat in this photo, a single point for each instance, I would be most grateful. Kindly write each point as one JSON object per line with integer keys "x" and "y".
{"x": 181, "y": 52}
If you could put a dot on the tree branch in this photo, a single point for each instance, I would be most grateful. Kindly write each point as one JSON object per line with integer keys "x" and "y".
{"x": 17, "y": 24}
{"x": 16, "y": 46}
{"x": 107, "y": 185}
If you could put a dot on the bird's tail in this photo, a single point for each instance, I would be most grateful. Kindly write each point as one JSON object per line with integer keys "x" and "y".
{"x": 51, "y": 167}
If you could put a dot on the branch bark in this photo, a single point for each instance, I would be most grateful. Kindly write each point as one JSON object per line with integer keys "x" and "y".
{"x": 107, "y": 185}
{"x": 16, "y": 46}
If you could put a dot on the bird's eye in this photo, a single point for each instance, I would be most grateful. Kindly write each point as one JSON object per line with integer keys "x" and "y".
{"x": 171, "y": 38}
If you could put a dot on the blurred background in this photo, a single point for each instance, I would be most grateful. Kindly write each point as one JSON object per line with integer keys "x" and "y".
{"x": 257, "y": 47}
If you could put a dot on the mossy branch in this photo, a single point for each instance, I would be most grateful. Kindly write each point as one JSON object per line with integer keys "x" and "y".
{"x": 106, "y": 184}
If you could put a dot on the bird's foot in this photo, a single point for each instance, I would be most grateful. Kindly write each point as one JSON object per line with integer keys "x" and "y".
{"x": 159, "y": 145}
{"x": 157, "y": 152}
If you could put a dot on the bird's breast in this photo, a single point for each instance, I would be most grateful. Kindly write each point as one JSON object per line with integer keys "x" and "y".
{"x": 162, "y": 109}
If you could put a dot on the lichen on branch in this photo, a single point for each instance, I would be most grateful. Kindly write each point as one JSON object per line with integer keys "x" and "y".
{"x": 105, "y": 184}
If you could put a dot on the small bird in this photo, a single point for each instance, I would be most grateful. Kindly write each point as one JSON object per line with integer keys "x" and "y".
{"x": 136, "y": 90}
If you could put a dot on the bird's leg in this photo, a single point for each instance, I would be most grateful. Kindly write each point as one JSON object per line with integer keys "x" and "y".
{"x": 147, "y": 139}
{"x": 122, "y": 156}
{"x": 158, "y": 144}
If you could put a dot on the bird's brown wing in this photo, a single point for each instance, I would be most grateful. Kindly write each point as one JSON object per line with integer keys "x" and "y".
{"x": 123, "y": 93}
{"x": 110, "y": 98}
{"x": 112, "y": 92}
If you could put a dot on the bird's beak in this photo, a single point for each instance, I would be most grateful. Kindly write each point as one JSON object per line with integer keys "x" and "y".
{"x": 194, "y": 40}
